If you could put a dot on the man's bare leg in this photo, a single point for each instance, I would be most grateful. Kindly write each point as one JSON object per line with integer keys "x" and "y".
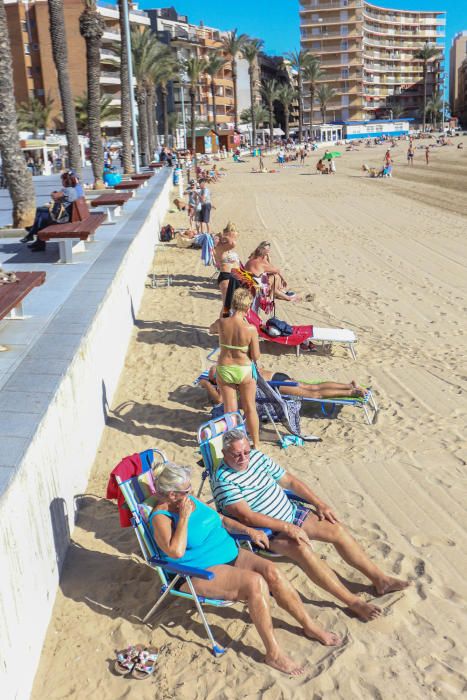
{"x": 351, "y": 552}
{"x": 323, "y": 576}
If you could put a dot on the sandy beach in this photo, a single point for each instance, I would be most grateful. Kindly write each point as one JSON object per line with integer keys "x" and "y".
{"x": 386, "y": 258}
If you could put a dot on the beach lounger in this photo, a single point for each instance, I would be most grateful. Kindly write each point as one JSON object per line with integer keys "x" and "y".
{"x": 324, "y": 336}
{"x": 136, "y": 491}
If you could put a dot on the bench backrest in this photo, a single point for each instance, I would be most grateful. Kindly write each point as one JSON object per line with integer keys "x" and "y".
{"x": 79, "y": 210}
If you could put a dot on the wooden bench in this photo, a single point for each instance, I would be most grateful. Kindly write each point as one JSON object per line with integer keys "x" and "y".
{"x": 112, "y": 202}
{"x": 13, "y": 293}
{"x": 82, "y": 229}
{"x": 128, "y": 186}
{"x": 142, "y": 177}
{"x": 154, "y": 166}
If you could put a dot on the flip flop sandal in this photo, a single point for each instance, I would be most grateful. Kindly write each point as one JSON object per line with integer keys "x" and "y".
{"x": 146, "y": 664}
{"x": 127, "y": 659}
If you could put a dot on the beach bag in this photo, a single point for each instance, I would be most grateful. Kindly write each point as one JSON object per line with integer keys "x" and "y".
{"x": 277, "y": 325}
{"x": 59, "y": 213}
{"x": 167, "y": 233}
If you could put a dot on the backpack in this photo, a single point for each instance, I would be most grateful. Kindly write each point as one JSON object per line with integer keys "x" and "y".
{"x": 167, "y": 233}
{"x": 281, "y": 326}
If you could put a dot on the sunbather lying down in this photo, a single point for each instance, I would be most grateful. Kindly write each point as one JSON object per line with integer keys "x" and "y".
{"x": 318, "y": 390}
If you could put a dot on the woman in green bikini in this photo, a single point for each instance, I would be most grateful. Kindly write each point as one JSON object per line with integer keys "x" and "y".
{"x": 236, "y": 371}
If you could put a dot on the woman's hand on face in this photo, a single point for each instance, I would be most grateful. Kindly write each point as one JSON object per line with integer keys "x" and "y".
{"x": 185, "y": 508}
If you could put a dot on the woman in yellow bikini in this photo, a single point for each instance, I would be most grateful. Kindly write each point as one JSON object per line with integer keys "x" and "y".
{"x": 236, "y": 371}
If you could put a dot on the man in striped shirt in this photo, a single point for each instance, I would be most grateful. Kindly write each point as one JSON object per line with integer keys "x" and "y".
{"x": 249, "y": 486}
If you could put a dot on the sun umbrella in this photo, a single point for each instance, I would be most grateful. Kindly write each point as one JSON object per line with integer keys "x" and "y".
{"x": 333, "y": 154}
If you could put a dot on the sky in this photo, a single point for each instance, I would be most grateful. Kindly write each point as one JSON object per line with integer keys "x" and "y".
{"x": 277, "y": 21}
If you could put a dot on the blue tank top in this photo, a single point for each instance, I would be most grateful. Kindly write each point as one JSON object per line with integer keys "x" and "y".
{"x": 208, "y": 542}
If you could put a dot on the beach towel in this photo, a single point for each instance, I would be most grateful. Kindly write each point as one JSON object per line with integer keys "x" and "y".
{"x": 130, "y": 466}
{"x": 206, "y": 241}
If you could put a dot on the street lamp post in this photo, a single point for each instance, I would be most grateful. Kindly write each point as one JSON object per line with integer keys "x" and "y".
{"x": 126, "y": 18}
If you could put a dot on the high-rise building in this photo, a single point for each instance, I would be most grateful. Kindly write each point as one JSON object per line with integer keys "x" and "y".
{"x": 33, "y": 66}
{"x": 188, "y": 40}
{"x": 457, "y": 54}
{"x": 367, "y": 55}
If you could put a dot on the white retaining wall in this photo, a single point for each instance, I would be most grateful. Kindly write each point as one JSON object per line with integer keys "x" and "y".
{"x": 37, "y": 507}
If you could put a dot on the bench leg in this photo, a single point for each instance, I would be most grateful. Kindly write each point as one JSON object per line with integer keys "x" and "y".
{"x": 65, "y": 248}
{"x": 80, "y": 247}
{"x": 16, "y": 313}
{"x": 108, "y": 211}
{"x": 118, "y": 211}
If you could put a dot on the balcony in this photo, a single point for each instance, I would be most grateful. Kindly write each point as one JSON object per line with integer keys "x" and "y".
{"x": 331, "y": 5}
{"x": 109, "y": 35}
{"x": 109, "y": 57}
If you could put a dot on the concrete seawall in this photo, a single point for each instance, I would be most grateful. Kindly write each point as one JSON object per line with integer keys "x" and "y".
{"x": 59, "y": 412}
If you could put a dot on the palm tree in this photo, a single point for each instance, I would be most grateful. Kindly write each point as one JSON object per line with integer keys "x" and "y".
{"x": 91, "y": 27}
{"x": 286, "y": 95}
{"x": 216, "y": 63}
{"x": 163, "y": 72}
{"x": 260, "y": 115}
{"x": 125, "y": 114}
{"x": 426, "y": 54}
{"x": 298, "y": 60}
{"x": 325, "y": 93}
{"x": 34, "y": 115}
{"x": 60, "y": 56}
{"x": 312, "y": 73}
{"x": 250, "y": 53}
{"x": 17, "y": 175}
{"x": 434, "y": 107}
{"x": 194, "y": 68}
{"x": 108, "y": 111}
{"x": 233, "y": 45}
{"x": 270, "y": 92}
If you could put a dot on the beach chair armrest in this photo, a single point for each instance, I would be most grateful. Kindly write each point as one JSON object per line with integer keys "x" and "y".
{"x": 293, "y": 497}
{"x": 182, "y": 570}
{"x": 246, "y": 538}
{"x": 277, "y": 383}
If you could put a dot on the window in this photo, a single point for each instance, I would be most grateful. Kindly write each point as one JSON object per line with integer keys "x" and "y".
{"x": 344, "y": 44}
{"x": 29, "y": 71}
{"x": 344, "y": 73}
{"x": 315, "y": 18}
{"x": 344, "y": 15}
{"x": 344, "y": 58}
{"x": 24, "y": 27}
{"x": 27, "y": 49}
{"x": 39, "y": 92}
{"x": 344, "y": 30}
{"x": 316, "y": 30}
{"x": 316, "y": 44}
{"x": 344, "y": 100}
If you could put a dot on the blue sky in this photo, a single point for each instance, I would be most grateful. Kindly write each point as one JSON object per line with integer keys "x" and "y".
{"x": 276, "y": 21}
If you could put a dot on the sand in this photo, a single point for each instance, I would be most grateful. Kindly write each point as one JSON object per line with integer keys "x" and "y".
{"x": 386, "y": 258}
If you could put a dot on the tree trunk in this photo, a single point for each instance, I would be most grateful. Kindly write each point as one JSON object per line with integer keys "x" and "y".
{"x": 286, "y": 117}
{"x": 214, "y": 106}
{"x": 323, "y": 113}
{"x": 271, "y": 125}
{"x": 92, "y": 29}
{"x": 165, "y": 113}
{"x": 151, "y": 117}
{"x": 18, "y": 177}
{"x": 312, "y": 99}
{"x": 234, "y": 81}
{"x": 300, "y": 108}
{"x": 143, "y": 123}
{"x": 60, "y": 56}
{"x": 252, "y": 100}
{"x": 425, "y": 72}
{"x": 193, "y": 120}
{"x": 125, "y": 112}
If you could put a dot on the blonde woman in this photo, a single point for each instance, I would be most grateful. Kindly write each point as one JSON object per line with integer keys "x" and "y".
{"x": 226, "y": 257}
{"x": 189, "y": 532}
{"x": 259, "y": 263}
{"x": 239, "y": 351}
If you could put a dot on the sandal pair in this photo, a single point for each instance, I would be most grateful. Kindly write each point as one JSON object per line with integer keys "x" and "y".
{"x": 138, "y": 660}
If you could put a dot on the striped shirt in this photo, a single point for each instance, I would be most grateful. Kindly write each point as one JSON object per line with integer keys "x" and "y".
{"x": 257, "y": 485}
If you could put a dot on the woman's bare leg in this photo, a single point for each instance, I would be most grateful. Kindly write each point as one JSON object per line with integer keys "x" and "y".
{"x": 247, "y": 391}
{"x": 223, "y": 287}
{"x": 228, "y": 393}
{"x": 235, "y": 583}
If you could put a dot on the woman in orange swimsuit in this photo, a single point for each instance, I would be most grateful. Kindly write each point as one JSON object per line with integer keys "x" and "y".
{"x": 236, "y": 371}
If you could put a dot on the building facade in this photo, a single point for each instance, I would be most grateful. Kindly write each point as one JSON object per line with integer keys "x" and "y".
{"x": 33, "y": 65}
{"x": 189, "y": 40}
{"x": 457, "y": 55}
{"x": 367, "y": 56}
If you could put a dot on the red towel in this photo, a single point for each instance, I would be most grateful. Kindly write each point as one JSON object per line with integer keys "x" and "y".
{"x": 128, "y": 467}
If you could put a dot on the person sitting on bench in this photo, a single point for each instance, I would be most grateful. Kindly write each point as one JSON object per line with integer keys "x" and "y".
{"x": 56, "y": 212}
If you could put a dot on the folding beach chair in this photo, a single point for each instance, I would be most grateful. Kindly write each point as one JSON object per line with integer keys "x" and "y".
{"x": 135, "y": 491}
{"x": 328, "y": 406}
{"x": 300, "y": 334}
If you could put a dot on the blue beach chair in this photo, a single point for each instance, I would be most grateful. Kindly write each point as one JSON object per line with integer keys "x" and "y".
{"x": 135, "y": 492}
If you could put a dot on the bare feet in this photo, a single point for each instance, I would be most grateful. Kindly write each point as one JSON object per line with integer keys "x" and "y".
{"x": 357, "y": 390}
{"x": 389, "y": 584}
{"x": 328, "y": 639}
{"x": 282, "y": 662}
{"x": 365, "y": 611}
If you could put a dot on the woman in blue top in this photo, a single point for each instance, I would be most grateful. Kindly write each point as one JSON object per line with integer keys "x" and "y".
{"x": 190, "y": 532}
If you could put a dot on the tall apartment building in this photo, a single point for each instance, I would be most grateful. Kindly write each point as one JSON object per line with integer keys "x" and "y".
{"x": 33, "y": 65}
{"x": 189, "y": 40}
{"x": 367, "y": 56}
{"x": 457, "y": 54}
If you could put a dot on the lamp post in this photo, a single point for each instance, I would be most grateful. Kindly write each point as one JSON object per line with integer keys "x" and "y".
{"x": 134, "y": 130}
